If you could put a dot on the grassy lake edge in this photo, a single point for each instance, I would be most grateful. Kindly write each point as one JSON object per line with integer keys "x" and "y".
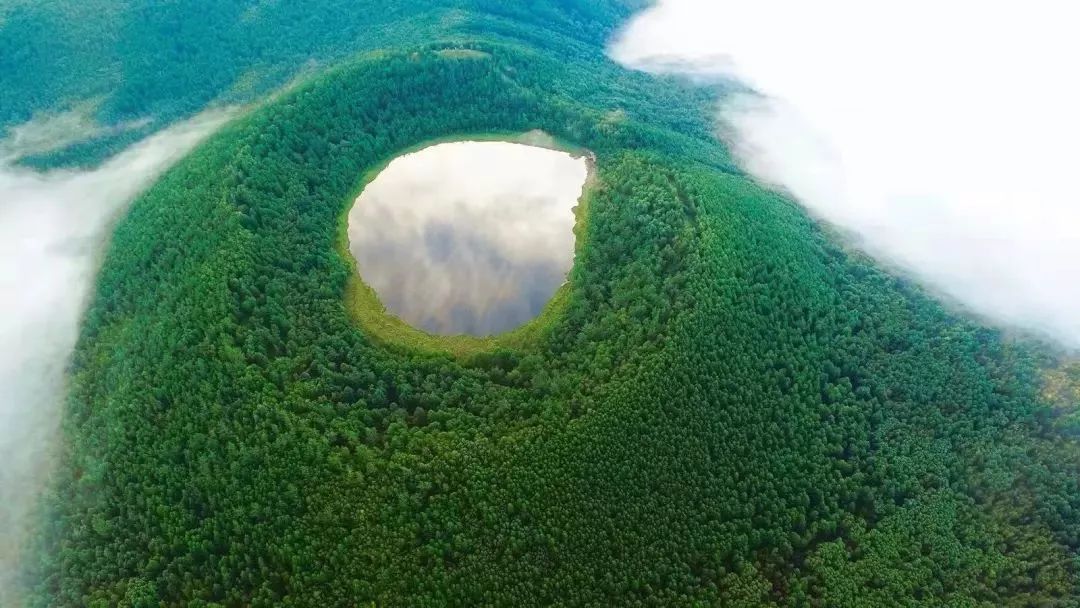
{"x": 366, "y": 309}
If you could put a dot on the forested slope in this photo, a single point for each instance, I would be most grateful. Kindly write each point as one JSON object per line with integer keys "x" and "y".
{"x": 144, "y": 64}
{"x": 731, "y": 409}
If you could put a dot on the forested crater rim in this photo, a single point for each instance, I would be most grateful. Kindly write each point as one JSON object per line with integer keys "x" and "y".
{"x": 468, "y": 239}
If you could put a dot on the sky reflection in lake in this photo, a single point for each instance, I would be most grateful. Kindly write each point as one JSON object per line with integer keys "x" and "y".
{"x": 468, "y": 237}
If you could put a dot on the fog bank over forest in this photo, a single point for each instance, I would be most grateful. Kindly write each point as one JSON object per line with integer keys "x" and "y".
{"x": 942, "y": 135}
{"x": 52, "y": 230}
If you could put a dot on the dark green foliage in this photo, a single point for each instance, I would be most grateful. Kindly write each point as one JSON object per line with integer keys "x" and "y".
{"x": 731, "y": 411}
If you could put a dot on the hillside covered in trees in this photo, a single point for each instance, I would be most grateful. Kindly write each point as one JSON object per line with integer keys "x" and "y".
{"x": 139, "y": 65}
{"x": 730, "y": 408}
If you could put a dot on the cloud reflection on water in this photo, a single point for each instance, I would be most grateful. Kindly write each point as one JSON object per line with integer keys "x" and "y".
{"x": 468, "y": 237}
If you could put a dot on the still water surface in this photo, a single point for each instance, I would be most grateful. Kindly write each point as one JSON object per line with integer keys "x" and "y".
{"x": 468, "y": 237}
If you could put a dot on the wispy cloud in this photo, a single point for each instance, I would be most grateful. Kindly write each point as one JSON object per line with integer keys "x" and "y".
{"x": 944, "y": 134}
{"x": 52, "y": 227}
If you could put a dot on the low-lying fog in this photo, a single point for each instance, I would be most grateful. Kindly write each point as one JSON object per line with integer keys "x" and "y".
{"x": 468, "y": 237}
{"x": 943, "y": 134}
{"x": 52, "y": 228}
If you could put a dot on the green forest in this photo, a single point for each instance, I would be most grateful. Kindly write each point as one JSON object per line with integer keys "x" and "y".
{"x": 146, "y": 63}
{"x": 730, "y": 408}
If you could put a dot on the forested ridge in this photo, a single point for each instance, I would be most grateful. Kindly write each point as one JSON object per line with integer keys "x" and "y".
{"x": 731, "y": 409}
{"x": 139, "y": 65}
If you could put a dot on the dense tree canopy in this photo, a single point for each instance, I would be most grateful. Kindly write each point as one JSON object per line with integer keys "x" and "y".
{"x": 731, "y": 409}
{"x": 142, "y": 64}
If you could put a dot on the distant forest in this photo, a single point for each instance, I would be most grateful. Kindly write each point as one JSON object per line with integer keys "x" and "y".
{"x": 732, "y": 408}
{"x": 126, "y": 62}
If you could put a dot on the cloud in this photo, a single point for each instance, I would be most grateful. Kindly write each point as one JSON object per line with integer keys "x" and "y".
{"x": 943, "y": 134}
{"x": 52, "y": 227}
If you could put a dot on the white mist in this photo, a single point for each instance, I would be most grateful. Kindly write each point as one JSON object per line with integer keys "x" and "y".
{"x": 52, "y": 230}
{"x": 943, "y": 134}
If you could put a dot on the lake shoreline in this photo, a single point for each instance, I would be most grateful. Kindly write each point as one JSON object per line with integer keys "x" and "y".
{"x": 368, "y": 310}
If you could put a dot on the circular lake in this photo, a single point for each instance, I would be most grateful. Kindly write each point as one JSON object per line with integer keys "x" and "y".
{"x": 468, "y": 237}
